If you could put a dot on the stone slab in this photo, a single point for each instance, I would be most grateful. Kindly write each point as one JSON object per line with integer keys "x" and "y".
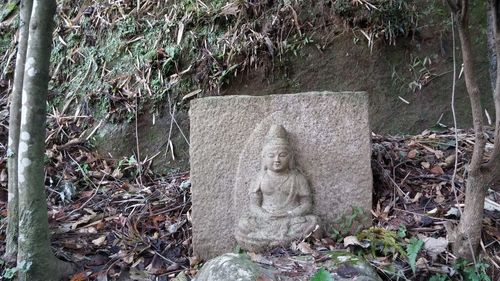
{"x": 328, "y": 131}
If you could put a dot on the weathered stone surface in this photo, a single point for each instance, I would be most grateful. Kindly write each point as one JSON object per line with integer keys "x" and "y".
{"x": 230, "y": 267}
{"x": 342, "y": 265}
{"x": 118, "y": 141}
{"x": 331, "y": 137}
{"x": 345, "y": 266}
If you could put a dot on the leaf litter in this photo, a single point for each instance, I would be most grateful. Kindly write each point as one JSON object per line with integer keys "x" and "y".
{"x": 109, "y": 216}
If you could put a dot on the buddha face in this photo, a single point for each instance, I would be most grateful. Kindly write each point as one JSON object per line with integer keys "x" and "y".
{"x": 277, "y": 158}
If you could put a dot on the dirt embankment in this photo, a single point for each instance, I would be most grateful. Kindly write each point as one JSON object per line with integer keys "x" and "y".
{"x": 410, "y": 84}
{"x": 115, "y": 62}
{"x": 409, "y": 81}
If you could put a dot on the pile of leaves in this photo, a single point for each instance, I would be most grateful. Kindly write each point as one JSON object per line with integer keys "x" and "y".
{"x": 378, "y": 18}
{"x": 108, "y": 216}
{"x": 419, "y": 195}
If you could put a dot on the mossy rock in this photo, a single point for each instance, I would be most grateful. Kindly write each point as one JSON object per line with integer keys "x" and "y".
{"x": 346, "y": 266}
{"x": 230, "y": 267}
{"x": 342, "y": 266}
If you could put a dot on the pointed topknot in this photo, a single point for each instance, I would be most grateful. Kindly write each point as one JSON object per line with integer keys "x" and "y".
{"x": 276, "y": 136}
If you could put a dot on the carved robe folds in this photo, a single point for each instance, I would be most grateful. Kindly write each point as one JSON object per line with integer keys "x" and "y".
{"x": 280, "y": 199}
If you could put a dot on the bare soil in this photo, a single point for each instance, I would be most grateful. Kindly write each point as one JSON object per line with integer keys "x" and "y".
{"x": 385, "y": 72}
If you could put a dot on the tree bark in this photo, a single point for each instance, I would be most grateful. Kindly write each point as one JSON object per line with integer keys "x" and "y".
{"x": 14, "y": 124}
{"x": 493, "y": 164}
{"x": 472, "y": 90}
{"x": 34, "y": 241}
{"x": 466, "y": 236}
{"x": 492, "y": 54}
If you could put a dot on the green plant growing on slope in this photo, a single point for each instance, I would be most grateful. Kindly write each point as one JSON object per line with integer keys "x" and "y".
{"x": 471, "y": 272}
{"x": 466, "y": 272}
{"x": 349, "y": 224}
{"x": 7, "y": 9}
{"x": 322, "y": 275}
{"x": 392, "y": 244}
{"x": 412, "y": 250}
{"x": 386, "y": 19}
{"x": 382, "y": 241}
{"x": 187, "y": 46}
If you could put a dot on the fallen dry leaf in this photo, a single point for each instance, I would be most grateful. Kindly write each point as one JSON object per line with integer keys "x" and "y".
{"x": 353, "y": 240}
{"x": 305, "y": 248}
{"x": 417, "y": 197}
{"x": 452, "y": 212}
{"x": 80, "y": 276}
{"x": 450, "y": 160}
{"x": 99, "y": 241}
{"x": 412, "y": 154}
{"x": 439, "y": 196}
{"x": 439, "y": 154}
{"x": 85, "y": 219}
{"x": 421, "y": 263}
{"x": 437, "y": 170}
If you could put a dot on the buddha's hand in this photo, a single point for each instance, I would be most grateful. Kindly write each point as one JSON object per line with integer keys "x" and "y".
{"x": 279, "y": 215}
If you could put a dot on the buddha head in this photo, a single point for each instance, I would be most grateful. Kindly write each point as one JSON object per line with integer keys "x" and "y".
{"x": 277, "y": 155}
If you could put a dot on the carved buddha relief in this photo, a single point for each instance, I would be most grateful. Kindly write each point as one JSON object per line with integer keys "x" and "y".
{"x": 280, "y": 199}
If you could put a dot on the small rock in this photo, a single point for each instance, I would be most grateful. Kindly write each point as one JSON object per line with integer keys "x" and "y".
{"x": 229, "y": 267}
{"x": 345, "y": 266}
{"x": 434, "y": 246}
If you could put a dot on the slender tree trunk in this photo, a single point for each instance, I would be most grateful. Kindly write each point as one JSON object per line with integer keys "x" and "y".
{"x": 492, "y": 54}
{"x": 493, "y": 164}
{"x": 474, "y": 94}
{"x": 34, "y": 241}
{"x": 14, "y": 124}
{"x": 466, "y": 236}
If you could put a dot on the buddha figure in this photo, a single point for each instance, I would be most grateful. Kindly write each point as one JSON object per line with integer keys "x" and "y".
{"x": 280, "y": 199}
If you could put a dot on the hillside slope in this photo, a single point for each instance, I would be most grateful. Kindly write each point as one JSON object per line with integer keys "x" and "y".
{"x": 129, "y": 68}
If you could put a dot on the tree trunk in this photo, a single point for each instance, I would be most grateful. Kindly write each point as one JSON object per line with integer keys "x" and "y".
{"x": 474, "y": 95}
{"x": 14, "y": 123}
{"x": 466, "y": 237}
{"x": 493, "y": 164}
{"x": 492, "y": 54}
{"x": 34, "y": 241}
